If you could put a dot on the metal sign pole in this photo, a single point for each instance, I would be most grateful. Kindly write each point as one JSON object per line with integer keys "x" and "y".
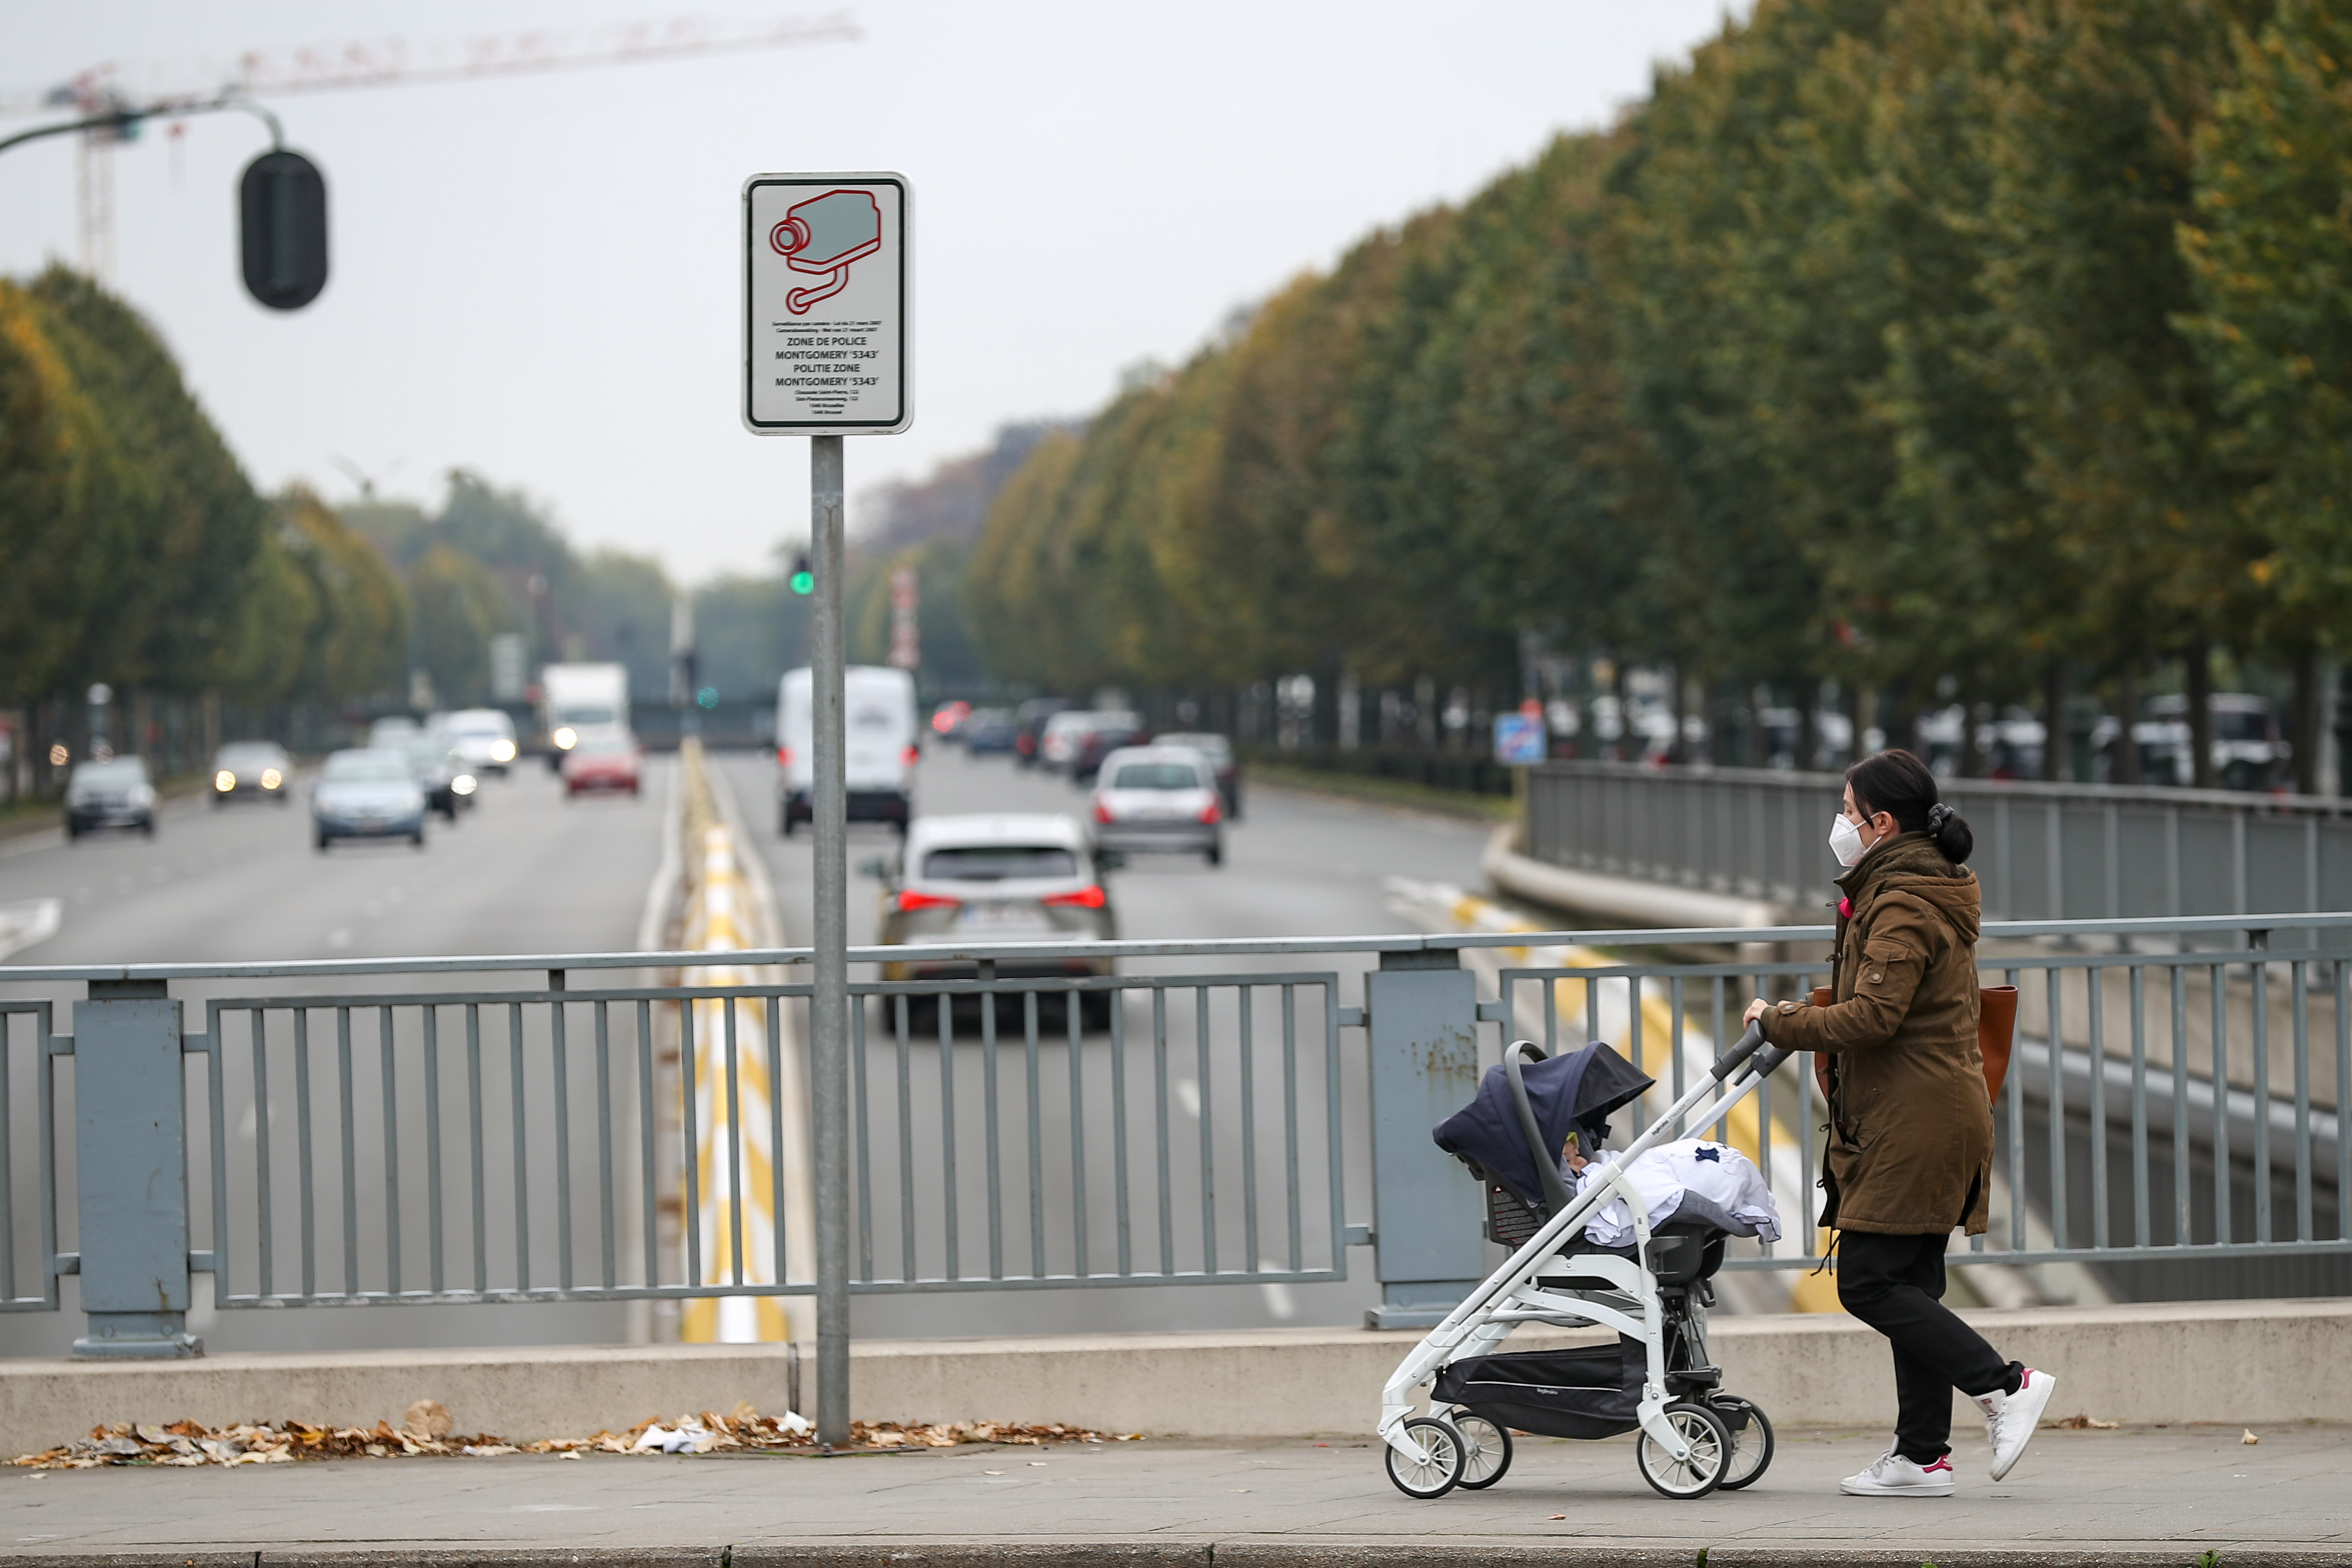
{"x": 826, "y": 330}
{"x": 829, "y": 1007}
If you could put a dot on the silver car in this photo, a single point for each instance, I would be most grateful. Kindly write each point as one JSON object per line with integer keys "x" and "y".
{"x": 111, "y": 793}
{"x": 1008, "y": 878}
{"x": 1159, "y": 797}
{"x": 367, "y": 795}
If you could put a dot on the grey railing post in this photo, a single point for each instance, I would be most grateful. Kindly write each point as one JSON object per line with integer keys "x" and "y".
{"x": 1429, "y": 1251}
{"x": 131, "y": 1168}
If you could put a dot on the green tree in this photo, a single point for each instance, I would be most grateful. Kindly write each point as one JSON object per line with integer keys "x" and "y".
{"x": 458, "y": 604}
{"x": 2270, "y": 248}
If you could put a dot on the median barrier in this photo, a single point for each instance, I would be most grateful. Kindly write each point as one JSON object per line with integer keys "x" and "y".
{"x": 2251, "y": 1363}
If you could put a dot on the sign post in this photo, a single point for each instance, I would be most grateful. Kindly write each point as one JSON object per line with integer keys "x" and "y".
{"x": 826, "y": 326}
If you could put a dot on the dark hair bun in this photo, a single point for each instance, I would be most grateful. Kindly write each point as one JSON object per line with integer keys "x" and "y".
{"x": 1950, "y": 832}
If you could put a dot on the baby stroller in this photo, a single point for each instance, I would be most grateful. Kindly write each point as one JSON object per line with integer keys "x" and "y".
{"x": 1658, "y": 1378}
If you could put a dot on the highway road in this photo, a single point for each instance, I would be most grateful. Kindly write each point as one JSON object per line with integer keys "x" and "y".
{"x": 1296, "y": 865}
{"x": 528, "y": 873}
{"x": 523, "y": 872}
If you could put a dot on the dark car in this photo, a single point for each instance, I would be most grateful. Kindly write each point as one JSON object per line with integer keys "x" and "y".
{"x": 1029, "y": 728}
{"x": 447, "y": 783}
{"x": 114, "y": 793}
{"x": 252, "y": 770}
{"x": 1220, "y": 753}
{"x": 987, "y": 730}
{"x": 1107, "y": 734}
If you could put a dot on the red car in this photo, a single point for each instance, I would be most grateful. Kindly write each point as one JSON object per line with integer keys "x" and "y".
{"x": 602, "y": 762}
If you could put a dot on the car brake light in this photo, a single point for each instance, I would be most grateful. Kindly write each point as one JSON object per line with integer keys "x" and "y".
{"x": 1084, "y": 898}
{"x": 912, "y": 756}
{"x": 1102, "y": 812}
{"x": 910, "y": 900}
{"x": 1210, "y": 813}
{"x": 783, "y": 757}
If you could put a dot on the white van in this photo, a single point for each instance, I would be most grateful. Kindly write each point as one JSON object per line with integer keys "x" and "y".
{"x": 878, "y": 722}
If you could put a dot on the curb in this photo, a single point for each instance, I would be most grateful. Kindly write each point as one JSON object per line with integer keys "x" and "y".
{"x": 865, "y": 1551}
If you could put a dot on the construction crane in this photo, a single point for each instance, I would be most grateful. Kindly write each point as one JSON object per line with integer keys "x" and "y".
{"x": 115, "y": 101}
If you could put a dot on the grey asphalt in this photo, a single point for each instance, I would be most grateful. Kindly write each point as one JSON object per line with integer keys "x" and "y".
{"x": 1295, "y": 864}
{"x": 525, "y": 871}
{"x": 2139, "y": 1496}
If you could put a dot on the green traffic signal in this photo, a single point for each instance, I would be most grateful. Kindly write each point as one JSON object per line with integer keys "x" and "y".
{"x": 803, "y": 580}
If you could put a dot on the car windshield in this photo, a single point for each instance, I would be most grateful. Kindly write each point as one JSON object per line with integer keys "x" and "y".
{"x": 477, "y": 727}
{"x": 119, "y": 774}
{"x": 999, "y": 862}
{"x": 249, "y": 757}
{"x": 2241, "y": 726}
{"x": 1213, "y": 747}
{"x": 1156, "y": 776}
{"x": 604, "y": 745}
{"x": 367, "y": 768}
{"x": 586, "y": 717}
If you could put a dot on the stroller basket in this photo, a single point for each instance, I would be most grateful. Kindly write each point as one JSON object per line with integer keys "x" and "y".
{"x": 1592, "y": 1392}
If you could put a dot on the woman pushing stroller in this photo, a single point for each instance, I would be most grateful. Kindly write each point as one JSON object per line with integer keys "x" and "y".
{"x": 1910, "y": 1143}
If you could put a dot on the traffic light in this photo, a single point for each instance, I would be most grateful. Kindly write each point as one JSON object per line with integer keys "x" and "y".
{"x": 803, "y": 580}
{"x": 283, "y": 201}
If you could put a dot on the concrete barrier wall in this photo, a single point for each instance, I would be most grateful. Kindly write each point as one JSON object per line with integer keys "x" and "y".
{"x": 2249, "y": 1362}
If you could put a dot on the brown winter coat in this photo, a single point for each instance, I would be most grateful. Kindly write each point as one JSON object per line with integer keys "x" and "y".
{"x": 1910, "y": 1146}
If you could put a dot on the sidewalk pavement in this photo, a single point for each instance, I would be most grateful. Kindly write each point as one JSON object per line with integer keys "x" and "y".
{"x": 2152, "y": 1496}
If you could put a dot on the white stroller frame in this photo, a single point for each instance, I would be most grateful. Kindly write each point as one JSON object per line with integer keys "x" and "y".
{"x": 1515, "y": 1293}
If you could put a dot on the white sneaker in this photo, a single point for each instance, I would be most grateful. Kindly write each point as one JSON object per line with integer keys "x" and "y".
{"x": 2011, "y": 1419}
{"x": 1894, "y": 1476}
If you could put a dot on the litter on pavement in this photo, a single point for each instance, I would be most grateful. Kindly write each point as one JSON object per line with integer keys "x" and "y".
{"x": 427, "y": 1430}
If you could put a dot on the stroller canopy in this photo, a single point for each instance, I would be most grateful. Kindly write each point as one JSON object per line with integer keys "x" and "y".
{"x": 1568, "y": 1094}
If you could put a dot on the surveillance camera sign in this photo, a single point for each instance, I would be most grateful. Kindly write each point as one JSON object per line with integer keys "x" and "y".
{"x": 825, "y": 324}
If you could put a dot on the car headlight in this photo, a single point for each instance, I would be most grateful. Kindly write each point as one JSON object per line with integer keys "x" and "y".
{"x": 224, "y": 781}
{"x": 271, "y": 778}
{"x": 504, "y": 752}
{"x": 566, "y": 738}
{"x": 142, "y": 796}
{"x": 462, "y": 785}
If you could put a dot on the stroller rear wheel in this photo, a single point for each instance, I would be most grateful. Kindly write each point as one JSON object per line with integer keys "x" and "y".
{"x": 1438, "y": 1469}
{"x": 1710, "y": 1453}
{"x": 1485, "y": 1450}
{"x": 1751, "y": 1444}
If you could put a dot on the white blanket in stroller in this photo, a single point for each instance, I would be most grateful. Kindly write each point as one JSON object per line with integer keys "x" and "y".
{"x": 1716, "y": 1172}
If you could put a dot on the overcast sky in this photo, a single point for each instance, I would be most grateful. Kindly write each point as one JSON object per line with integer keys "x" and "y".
{"x": 535, "y": 277}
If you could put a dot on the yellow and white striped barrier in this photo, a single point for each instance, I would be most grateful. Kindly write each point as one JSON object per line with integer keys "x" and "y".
{"x": 724, "y": 914}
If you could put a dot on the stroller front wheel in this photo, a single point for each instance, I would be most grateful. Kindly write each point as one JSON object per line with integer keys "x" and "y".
{"x": 1485, "y": 1450}
{"x": 1752, "y": 1443}
{"x": 1439, "y": 1468}
{"x": 1710, "y": 1453}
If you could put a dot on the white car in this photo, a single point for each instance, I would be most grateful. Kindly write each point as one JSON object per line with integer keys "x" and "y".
{"x": 367, "y": 794}
{"x": 878, "y": 725}
{"x": 1159, "y": 797}
{"x": 993, "y": 878}
{"x": 483, "y": 736}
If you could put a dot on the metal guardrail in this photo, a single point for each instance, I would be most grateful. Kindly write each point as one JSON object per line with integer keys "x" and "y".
{"x": 2098, "y": 1145}
{"x": 518, "y": 1146}
{"x": 2043, "y": 851}
{"x": 520, "y": 1143}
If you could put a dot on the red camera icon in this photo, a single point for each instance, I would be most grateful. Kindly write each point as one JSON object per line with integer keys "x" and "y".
{"x": 823, "y": 235}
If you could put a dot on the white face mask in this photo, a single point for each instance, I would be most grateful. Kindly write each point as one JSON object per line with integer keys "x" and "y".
{"x": 1845, "y": 841}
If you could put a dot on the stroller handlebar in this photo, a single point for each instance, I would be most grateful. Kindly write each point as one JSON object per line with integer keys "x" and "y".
{"x": 1746, "y": 1047}
{"x": 1768, "y": 1061}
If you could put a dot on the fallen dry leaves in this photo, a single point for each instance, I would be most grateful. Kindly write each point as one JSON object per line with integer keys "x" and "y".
{"x": 427, "y": 1430}
{"x": 2081, "y": 1424}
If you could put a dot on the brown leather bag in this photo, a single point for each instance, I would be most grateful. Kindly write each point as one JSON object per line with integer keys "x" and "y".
{"x": 1996, "y": 1033}
{"x": 1996, "y": 1036}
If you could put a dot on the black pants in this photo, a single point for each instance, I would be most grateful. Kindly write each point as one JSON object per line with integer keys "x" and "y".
{"x": 1896, "y": 1284}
